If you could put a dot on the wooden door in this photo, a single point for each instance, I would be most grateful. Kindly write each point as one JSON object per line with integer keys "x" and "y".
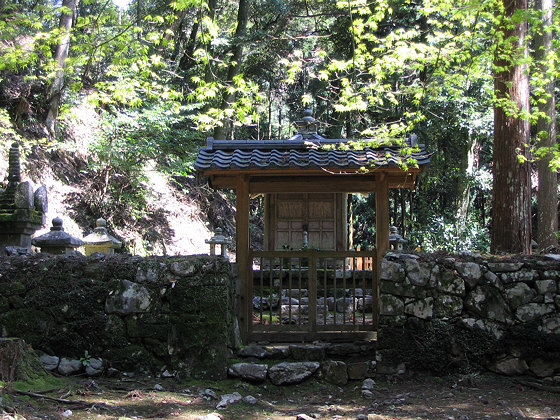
{"x": 321, "y": 215}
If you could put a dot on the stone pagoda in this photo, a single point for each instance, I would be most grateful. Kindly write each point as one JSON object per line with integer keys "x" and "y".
{"x": 22, "y": 210}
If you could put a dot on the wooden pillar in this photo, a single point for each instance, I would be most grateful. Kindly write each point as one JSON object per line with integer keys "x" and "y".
{"x": 242, "y": 254}
{"x": 381, "y": 216}
{"x": 381, "y": 236}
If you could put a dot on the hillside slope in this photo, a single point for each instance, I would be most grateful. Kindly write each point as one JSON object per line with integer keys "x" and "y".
{"x": 174, "y": 218}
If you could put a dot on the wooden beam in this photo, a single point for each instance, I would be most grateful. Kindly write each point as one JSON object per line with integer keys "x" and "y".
{"x": 327, "y": 183}
{"x": 242, "y": 254}
{"x": 351, "y": 183}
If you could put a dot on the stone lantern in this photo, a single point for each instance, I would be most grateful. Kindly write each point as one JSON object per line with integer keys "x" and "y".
{"x": 100, "y": 240}
{"x": 307, "y": 125}
{"x": 221, "y": 240}
{"x": 57, "y": 241}
{"x": 396, "y": 241}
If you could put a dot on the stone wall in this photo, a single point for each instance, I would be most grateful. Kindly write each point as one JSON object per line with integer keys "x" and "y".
{"x": 467, "y": 312}
{"x": 151, "y": 315}
{"x": 437, "y": 312}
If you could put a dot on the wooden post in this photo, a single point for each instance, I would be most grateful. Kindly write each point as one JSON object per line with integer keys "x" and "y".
{"x": 242, "y": 254}
{"x": 381, "y": 236}
{"x": 381, "y": 216}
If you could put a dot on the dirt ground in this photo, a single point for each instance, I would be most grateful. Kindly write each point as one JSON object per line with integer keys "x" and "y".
{"x": 409, "y": 397}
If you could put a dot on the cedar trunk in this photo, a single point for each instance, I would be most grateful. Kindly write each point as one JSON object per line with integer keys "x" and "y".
{"x": 547, "y": 213}
{"x": 511, "y": 206}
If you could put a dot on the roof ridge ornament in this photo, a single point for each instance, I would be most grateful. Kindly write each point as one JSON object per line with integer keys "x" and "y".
{"x": 307, "y": 126}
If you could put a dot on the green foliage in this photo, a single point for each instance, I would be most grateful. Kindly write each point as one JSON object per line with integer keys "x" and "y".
{"x": 85, "y": 359}
{"x": 157, "y": 72}
{"x": 440, "y": 234}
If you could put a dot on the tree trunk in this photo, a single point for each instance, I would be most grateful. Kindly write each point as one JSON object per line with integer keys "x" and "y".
{"x": 235, "y": 65}
{"x": 61, "y": 54}
{"x": 547, "y": 213}
{"x": 464, "y": 186}
{"x": 511, "y": 205}
{"x": 18, "y": 361}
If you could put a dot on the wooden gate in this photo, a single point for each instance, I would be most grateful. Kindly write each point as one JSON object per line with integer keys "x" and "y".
{"x": 312, "y": 295}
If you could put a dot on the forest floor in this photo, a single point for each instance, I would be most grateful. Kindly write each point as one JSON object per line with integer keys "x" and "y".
{"x": 408, "y": 397}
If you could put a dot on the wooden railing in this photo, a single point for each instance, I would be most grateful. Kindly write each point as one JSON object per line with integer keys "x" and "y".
{"x": 310, "y": 295}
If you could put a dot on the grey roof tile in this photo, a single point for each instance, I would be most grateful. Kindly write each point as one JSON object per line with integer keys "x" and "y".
{"x": 298, "y": 153}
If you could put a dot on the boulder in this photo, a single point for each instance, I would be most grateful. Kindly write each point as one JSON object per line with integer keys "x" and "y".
{"x": 418, "y": 274}
{"x": 448, "y": 306}
{"x": 307, "y": 352}
{"x": 422, "y": 309}
{"x": 493, "y": 280}
{"x": 68, "y": 367}
{"x": 551, "y": 324}
{"x": 335, "y": 372}
{"x": 489, "y": 326}
{"x": 543, "y": 368}
{"x": 449, "y": 282}
{"x": 510, "y": 366}
{"x": 345, "y": 304}
{"x": 228, "y": 399}
{"x": 50, "y": 363}
{"x": 94, "y": 367}
{"x": 552, "y": 274}
{"x": 486, "y": 302}
{"x": 358, "y": 370}
{"x": 518, "y": 294}
{"x": 369, "y": 384}
{"x": 504, "y": 267}
{"x": 292, "y": 373}
{"x": 251, "y": 372}
{"x": 520, "y": 276}
{"x": 391, "y": 271}
{"x": 533, "y": 311}
{"x": 126, "y": 297}
{"x": 390, "y": 305}
{"x": 470, "y": 272}
{"x": 262, "y": 352}
{"x": 546, "y": 286}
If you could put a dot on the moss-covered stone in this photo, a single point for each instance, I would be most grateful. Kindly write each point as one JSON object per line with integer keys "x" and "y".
{"x": 113, "y": 333}
{"x": 16, "y": 302}
{"x": 133, "y": 358}
{"x": 30, "y": 324}
{"x": 147, "y": 326}
{"x": 12, "y": 288}
{"x": 448, "y": 306}
{"x": 157, "y": 348}
{"x": 4, "y": 304}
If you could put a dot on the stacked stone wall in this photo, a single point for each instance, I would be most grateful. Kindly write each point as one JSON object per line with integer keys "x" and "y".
{"x": 135, "y": 314}
{"x": 467, "y": 312}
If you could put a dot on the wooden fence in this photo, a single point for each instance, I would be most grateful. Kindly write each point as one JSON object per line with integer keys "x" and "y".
{"x": 312, "y": 295}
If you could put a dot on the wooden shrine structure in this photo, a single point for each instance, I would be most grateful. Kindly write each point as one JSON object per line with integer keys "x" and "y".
{"x": 306, "y": 284}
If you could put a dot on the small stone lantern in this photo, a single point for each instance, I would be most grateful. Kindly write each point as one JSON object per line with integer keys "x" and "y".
{"x": 100, "y": 240}
{"x": 57, "y": 241}
{"x": 221, "y": 240}
{"x": 396, "y": 241}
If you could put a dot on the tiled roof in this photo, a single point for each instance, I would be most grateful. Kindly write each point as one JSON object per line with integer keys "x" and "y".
{"x": 302, "y": 152}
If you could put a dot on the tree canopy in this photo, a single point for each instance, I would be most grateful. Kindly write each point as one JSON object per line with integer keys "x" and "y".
{"x": 162, "y": 75}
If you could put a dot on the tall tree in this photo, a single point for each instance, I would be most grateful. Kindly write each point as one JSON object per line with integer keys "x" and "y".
{"x": 235, "y": 64}
{"x": 511, "y": 206}
{"x": 68, "y": 12}
{"x": 547, "y": 212}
